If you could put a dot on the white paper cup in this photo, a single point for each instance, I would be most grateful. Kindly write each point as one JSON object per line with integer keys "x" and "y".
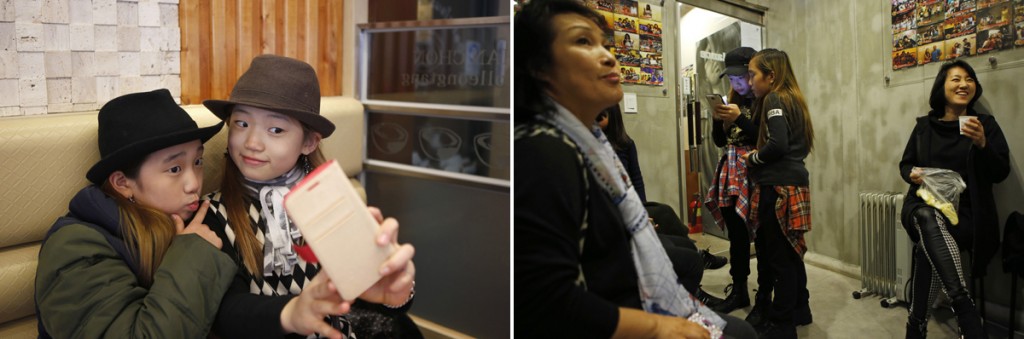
{"x": 963, "y": 120}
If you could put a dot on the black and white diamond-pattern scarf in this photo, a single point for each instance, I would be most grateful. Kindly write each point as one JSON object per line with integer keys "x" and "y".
{"x": 278, "y": 253}
{"x": 277, "y": 283}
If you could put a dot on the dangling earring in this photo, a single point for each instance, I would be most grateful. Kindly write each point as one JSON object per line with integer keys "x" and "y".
{"x": 306, "y": 166}
{"x": 132, "y": 199}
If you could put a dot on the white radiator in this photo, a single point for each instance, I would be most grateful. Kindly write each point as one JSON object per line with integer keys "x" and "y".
{"x": 885, "y": 248}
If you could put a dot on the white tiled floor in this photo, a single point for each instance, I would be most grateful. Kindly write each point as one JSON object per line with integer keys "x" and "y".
{"x": 836, "y": 313}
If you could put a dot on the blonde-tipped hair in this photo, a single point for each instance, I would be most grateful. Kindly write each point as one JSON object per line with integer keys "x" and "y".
{"x": 147, "y": 232}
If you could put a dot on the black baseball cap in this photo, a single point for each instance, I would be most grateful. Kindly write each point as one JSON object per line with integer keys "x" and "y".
{"x": 736, "y": 61}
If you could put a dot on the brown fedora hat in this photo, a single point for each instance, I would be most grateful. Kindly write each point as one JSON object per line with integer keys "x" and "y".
{"x": 134, "y": 125}
{"x": 280, "y": 84}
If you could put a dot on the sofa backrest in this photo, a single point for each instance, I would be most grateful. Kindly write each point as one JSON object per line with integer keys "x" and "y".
{"x": 43, "y": 160}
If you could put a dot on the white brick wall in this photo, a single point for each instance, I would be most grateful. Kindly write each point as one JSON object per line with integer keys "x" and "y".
{"x": 8, "y": 42}
{"x": 75, "y": 55}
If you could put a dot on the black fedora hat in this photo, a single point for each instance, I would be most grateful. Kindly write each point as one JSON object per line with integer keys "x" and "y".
{"x": 134, "y": 125}
{"x": 280, "y": 84}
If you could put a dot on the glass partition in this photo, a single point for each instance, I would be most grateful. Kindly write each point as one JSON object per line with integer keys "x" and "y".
{"x": 455, "y": 66}
{"x": 437, "y": 94}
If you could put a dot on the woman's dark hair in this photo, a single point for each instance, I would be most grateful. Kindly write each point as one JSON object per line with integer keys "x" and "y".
{"x": 534, "y": 36}
{"x": 616, "y": 129}
{"x": 937, "y": 101}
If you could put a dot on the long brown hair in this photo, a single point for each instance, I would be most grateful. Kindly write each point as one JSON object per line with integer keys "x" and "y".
{"x": 235, "y": 200}
{"x": 147, "y": 232}
{"x": 776, "y": 62}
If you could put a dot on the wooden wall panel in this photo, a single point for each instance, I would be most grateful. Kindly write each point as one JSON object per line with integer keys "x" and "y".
{"x": 220, "y": 38}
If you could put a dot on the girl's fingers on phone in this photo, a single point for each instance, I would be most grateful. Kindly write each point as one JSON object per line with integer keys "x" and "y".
{"x": 376, "y": 213}
{"x": 388, "y": 232}
{"x": 398, "y": 260}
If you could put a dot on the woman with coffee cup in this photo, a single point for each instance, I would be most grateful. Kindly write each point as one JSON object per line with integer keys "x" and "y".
{"x": 956, "y": 137}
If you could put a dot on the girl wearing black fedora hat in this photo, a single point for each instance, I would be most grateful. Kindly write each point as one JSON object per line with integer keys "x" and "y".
{"x": 123, "y": 262}
{"x": 275, "y": 128}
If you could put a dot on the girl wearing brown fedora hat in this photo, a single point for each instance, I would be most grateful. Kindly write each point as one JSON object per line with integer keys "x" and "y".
{"x": 273, "y": 143}
{"x": 123, "y": 262}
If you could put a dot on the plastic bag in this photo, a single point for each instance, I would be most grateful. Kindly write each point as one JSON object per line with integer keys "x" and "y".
{"x": 941, "y": 189}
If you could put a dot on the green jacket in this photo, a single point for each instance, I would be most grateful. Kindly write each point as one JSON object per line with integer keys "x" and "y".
{"x": 84, "y": 288}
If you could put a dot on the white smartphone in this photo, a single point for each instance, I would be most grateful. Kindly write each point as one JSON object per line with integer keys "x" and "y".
{"x": 714, "y": 100}
{"x": 340, "y": 230}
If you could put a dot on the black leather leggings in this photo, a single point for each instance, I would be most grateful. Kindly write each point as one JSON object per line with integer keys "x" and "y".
{"x": 936, "y": 263}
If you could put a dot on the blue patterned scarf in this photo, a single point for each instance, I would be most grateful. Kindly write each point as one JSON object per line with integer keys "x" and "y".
{"x": 660, "y": 291}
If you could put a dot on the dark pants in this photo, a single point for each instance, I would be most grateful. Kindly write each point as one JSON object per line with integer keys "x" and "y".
{"x": 686, "y": 261}
{"x": 784, "y": 263}
{"x": 739, "y": 245}
{"x": 736, "y": 328}
{"x": 765, "y": 277}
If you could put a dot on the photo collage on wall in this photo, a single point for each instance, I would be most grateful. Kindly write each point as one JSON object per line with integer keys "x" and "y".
{"x": 637, "y": 29}
{"x": 927, "y": 31}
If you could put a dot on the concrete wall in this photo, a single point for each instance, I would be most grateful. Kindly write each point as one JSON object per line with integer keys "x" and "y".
{"x": 840, "y": 50}
{"x": 654, "y": 127}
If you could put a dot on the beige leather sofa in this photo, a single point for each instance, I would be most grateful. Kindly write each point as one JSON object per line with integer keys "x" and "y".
{"x": 43, "y": 160}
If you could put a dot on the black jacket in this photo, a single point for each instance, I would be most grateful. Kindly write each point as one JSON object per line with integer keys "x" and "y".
{"x": 985, "y": 167}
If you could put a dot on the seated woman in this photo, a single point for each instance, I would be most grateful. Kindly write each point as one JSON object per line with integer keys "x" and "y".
{"x": 122, "y": 262}
{"x": 587, "y": 260}
{"x": 978, "y": 151}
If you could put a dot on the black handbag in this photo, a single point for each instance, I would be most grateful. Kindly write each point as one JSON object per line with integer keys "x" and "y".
{"x": 1013, "y": 243}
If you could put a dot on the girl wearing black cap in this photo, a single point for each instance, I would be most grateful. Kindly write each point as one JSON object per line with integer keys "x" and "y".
{"x": 122, "y": 262}
{"x": 728, "y": 197}
{"x": 275, "y": 128}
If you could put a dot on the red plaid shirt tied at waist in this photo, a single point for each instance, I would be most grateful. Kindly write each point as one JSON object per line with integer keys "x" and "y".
{"x": 730, "y": 188}
{"x": 793, "y": 209}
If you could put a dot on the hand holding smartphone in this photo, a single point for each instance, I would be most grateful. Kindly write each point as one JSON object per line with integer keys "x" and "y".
{"x": 338, "y": 227}
{"x": 715, "y": 100}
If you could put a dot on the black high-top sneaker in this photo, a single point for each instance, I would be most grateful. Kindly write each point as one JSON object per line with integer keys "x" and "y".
{"x": 758, "y": 316}
{"x": 711, "y": 261}
{"x": 736, "y": 297}
{"x": 709, "y": 300}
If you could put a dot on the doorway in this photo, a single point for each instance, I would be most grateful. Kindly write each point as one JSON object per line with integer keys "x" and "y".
{"x": 705, "y": 35}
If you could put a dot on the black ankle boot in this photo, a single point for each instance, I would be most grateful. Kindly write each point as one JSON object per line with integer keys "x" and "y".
{"x": 758, "y": 316}
{"x": 916, "y": 329}
{"x": 737, "y": 298}
{"x": 968, "y": 318}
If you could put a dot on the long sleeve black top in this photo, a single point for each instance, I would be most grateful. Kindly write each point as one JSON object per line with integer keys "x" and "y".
{"x": 780, "y": 161}
{"x": 631, "y": 162}
{"x": 551, "y": 202}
